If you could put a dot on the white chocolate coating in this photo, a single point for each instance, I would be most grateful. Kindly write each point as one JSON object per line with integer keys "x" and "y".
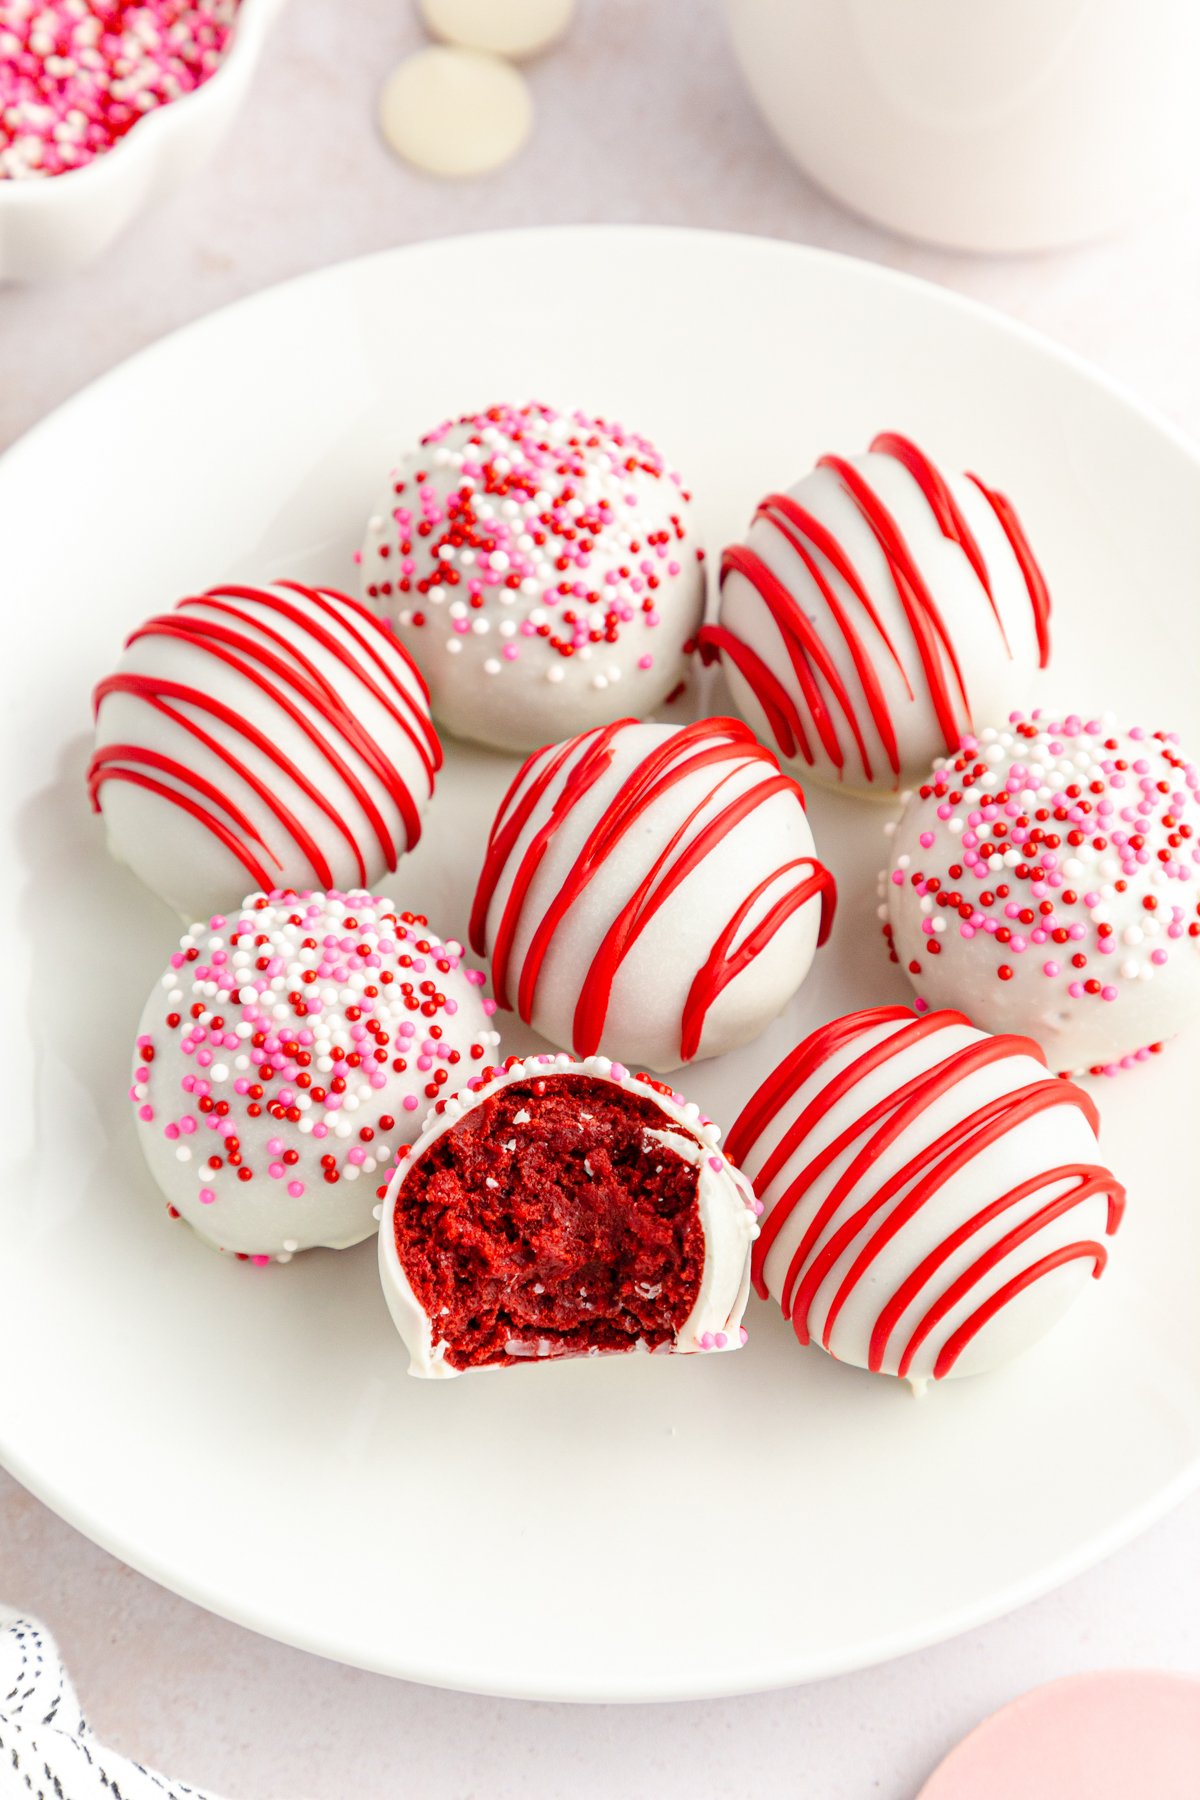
{"x": 651, "y": 888}
{"x": 847, "y": 668}
{"x": 271, "y": 737}
{"x": 934, "y": 1198}
{"x": 254, "y": 1078}
{"x": 1093, "y": 947}
{"x": 557, "y": 582}
{"x": 726, "y": 1205}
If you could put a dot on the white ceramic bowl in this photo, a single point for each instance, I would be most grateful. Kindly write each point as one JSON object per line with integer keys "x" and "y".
{"x": 55, "y": 224}
{"x": 1001, "y": 128}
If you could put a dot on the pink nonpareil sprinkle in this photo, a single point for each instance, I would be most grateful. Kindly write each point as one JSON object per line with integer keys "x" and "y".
{"x": 77, "y": 75}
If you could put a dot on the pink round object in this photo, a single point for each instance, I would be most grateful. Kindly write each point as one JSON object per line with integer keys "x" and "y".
{"x": 1101, "y": 1736}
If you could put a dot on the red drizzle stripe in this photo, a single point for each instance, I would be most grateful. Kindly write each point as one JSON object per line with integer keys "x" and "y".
{"x": 799, "y": 1064}
{"x": 239, "y": 847}
{"x": 371, "y": 633}
{"x": 723, "y": 745}
{"x": 416, "y": 725}
{"x": 942, "y": 505}
{"x": 294, "y": 684}
{"x": 934, "y": 644}
{"x": 809, "y": 526}
{"x": 807, "y": 655}
{"x": 797, "y": 526}
{"x": 895, "y": 1202}
{"x": 725, "y": 962}
{"x": 783, "y": 719}
{"x": 803, "y": 647}
{"x": 929, "y": 1171}
{"x": 957, "y": 1342}
{"x": 210, "y": 641}
{"x": 504, "y": 835}
{"x": 1035, "y": 581}
{"x": 1086, "y": 1178}
{"x": 157, "y": 693}
{"x": 912, "y": 1032}
{"x": 897, "y": 1115}
{"x": 310, "y": 685}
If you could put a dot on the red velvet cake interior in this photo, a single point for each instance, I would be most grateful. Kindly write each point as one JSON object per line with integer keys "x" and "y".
{"x": 545, "y": 1223}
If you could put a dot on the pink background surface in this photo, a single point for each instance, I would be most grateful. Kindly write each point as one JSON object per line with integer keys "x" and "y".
{"x": 641, "y": 116}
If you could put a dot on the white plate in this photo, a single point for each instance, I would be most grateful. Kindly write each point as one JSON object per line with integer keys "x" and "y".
{"x": 627, "y": 1529}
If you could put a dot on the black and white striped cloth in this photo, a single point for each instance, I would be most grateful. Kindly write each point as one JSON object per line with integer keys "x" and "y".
{"x": 47, "y": 1751}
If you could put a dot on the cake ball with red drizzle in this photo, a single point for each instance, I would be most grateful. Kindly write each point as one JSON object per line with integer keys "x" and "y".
{"x": 542, "y": 568}
{"x": 564, "y": 1208}
{"x": 652, "y": 888}
{"x": 876, "y": 611}
{"x": 261, "y": 737}
{"x": 933, "y": 1197}
{"x": 1046, "y": 878}
{"x": 286, "y": 1054}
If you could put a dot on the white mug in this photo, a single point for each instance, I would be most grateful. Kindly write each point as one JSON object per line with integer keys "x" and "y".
{"x": 999, "y": 125}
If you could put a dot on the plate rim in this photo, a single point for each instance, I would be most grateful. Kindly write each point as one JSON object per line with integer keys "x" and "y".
{"x": 801, "y": 1671}
{"x": 782, "y": 1671}
{"x": 816, "y": 254}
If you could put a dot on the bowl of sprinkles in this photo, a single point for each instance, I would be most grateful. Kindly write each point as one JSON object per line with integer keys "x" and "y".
{"x": 104, "y": 106}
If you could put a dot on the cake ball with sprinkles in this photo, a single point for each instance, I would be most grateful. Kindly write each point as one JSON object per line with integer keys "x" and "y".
{"x": 287, "y": 1053}
{"x": 1046, "y": 880}
{"x": 542, "y": 569}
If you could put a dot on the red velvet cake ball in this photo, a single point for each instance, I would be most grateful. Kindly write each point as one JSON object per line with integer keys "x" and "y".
{"x": 562, "y": 1208}
{"x": 541, "y": 567}
{"x": 262, "y": 738}
{"x": 285, "y": 1054}
{"x": 934, "y": 1198}
{"x": 878, "y": 610}
{"x": 654, "y": 889}
{"x": 1046, "y": 879}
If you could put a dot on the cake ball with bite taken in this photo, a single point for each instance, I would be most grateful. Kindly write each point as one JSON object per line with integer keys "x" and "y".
{"x": 934, "y": 1199}
{"x": 261, "y": 737}
{"x": 559, "y": 1208}
{"x": 654, "y": 889}
{"x": 542, "y": 568}
{"x": 287, "y": 1052}
{"x": 1046, "y": 879}
{"x": 876, "y": 611}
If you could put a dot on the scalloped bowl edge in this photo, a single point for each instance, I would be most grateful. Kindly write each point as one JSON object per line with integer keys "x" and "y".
{"x": 54, "y": 226}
